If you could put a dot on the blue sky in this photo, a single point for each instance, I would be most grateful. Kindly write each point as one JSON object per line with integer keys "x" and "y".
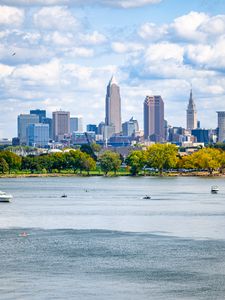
{"x": 67, "y": 50}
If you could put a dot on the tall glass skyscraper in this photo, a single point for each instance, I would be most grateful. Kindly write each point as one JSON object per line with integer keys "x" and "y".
{"x": 23, "y": 121}
{"x": 38, "y": 135}
{"x": 113, "y": 105}
{"x": 40, "y": 113}
{"x": 221, "y": 126}
{"x": 191, "y": 114}
{"x": 154, "y": 119}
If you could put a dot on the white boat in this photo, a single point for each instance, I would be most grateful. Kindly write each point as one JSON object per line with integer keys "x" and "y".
{"x": 5, "y": 197}
{"x": 214, "y": 189}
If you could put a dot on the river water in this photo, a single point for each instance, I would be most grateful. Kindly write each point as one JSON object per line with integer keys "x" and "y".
{"x": 104, "y": 241}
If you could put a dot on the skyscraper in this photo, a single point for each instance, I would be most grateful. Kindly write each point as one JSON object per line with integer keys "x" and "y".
{"x": 39, "y": 112}
{"x": 76, "y": 124}
{"x": 60, "y": 124}
{"x": 23, "y": 121}
{"x": 38, "y": 135}
{"x": 221, "y": 126}
{"x": 191, "y": 114}
{"x": 113, "y": 105}
{"x": 154, "y": 119}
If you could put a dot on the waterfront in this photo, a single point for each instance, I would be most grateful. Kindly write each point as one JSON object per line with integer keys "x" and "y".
{"x": 105, "y": 242}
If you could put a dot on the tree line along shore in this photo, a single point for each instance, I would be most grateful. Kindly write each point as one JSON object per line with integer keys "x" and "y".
{"x": 158, "y": 159}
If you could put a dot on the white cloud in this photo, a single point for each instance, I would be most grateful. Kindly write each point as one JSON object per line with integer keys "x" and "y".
{"x": 187, "y": 26}
{"x": 214, "y": 26}
{"x": 58, "y": 38}
{"x": 121, "y": 48}
{"x": 208, "y": 56}
{"x": 164, "y": 52}
{"x": 11, "y": 16}
{"x": 80, "y": 52}
{"x": 152, "y": 31}
{"x": 94, "y": 38}
{"x": 55, "y": 18}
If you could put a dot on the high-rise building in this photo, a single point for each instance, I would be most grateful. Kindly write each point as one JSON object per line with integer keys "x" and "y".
{"x": 23, "y": 121}
{"x": 92, "y": 127}
{"x": 38, "y": 135}
{"x": 76, "y": 124}
{"x": 154, "y": 119}
{"x": 130, "y": 127}
{"x": 202, "y": 135}
{"x": 49, "y": 122}
{"x": 60, "y": 124}
{"x": 191, "y": 114}
{"x": 39, "y": 112}
{"x": 221, "y": 126}
{"x": 113, "y": 105}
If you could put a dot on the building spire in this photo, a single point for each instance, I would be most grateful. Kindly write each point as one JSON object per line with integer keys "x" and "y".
{"x": 113, "y": 80}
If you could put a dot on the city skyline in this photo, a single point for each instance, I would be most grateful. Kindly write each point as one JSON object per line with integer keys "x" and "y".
{"x": 60, "y": 55}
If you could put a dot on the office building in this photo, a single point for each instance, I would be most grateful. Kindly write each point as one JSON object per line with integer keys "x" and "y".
{"x": 40, "y": 113}
{"x": 154, "y": 119}
{"x": 221, "y": 126}
{"x": 113, "y": 105}
{"x": 130, "y": 127}
{"x": 191, "y": 114}
{"x": 60, "y": 125}
{"x": 38, "y": 135}
{"x": 202, "y": 135}
{"x": 76, "y": 124}
{"x": 23, "y": 121}
{"x": 49, "y": 122}
{"x": 93, "y": 128}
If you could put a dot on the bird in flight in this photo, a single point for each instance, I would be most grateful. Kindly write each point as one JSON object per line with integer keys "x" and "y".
{"x": 14, "y": 54}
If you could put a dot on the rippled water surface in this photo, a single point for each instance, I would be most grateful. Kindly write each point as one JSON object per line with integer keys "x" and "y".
{"x": 105, "y": 242}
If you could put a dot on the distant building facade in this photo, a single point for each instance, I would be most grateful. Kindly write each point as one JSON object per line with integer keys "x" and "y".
{"x": 202, "y": 135}
{"x": 191, "y": 114}
{"x": 130, "y": 127}
{"x": 38, "y": 135}
{"x": 154, "y": 119}
{"x": 49, "y": 122}
{"x": 93, "y": 128}
{"x": 113, "y": 105}
{"x": 60, "y": 125}
{"x": 40, "y": 113}
{"x": 23, "y": 121}
{"x": 76, "y": 124}
{"x": 221, "y": 126}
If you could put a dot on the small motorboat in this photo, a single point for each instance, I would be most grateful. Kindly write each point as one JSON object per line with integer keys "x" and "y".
{"x": 214, "y": 189}
{"x": 64, "y": 196}
{"x": 146, "y": 197}
{"x": 5, "y": 197}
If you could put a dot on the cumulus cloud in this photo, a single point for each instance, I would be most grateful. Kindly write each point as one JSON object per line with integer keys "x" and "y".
{"x": 120, "y": 47}
{"x": 11, "y": 16}
{"x": 53, "y": 18}
{"x": 117, "y": 3}
{"x": 186, "y": 27}
{"x": 151, "y": 31}
{"x": 94, "y": 38}
{"x": 208, "y": 56}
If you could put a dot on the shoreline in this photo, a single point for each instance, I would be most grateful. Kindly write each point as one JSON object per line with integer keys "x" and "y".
{"x": 197, "y": 174}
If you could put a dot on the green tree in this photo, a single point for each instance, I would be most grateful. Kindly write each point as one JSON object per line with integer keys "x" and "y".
{"x": 13, "y": 160}
{"x": 4, "y": 167}
{"x": 161, "y": 157}
{"x": 109, "y": 161}
{"x": 87, "y": 163}
{"x": 136, "y": 161}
